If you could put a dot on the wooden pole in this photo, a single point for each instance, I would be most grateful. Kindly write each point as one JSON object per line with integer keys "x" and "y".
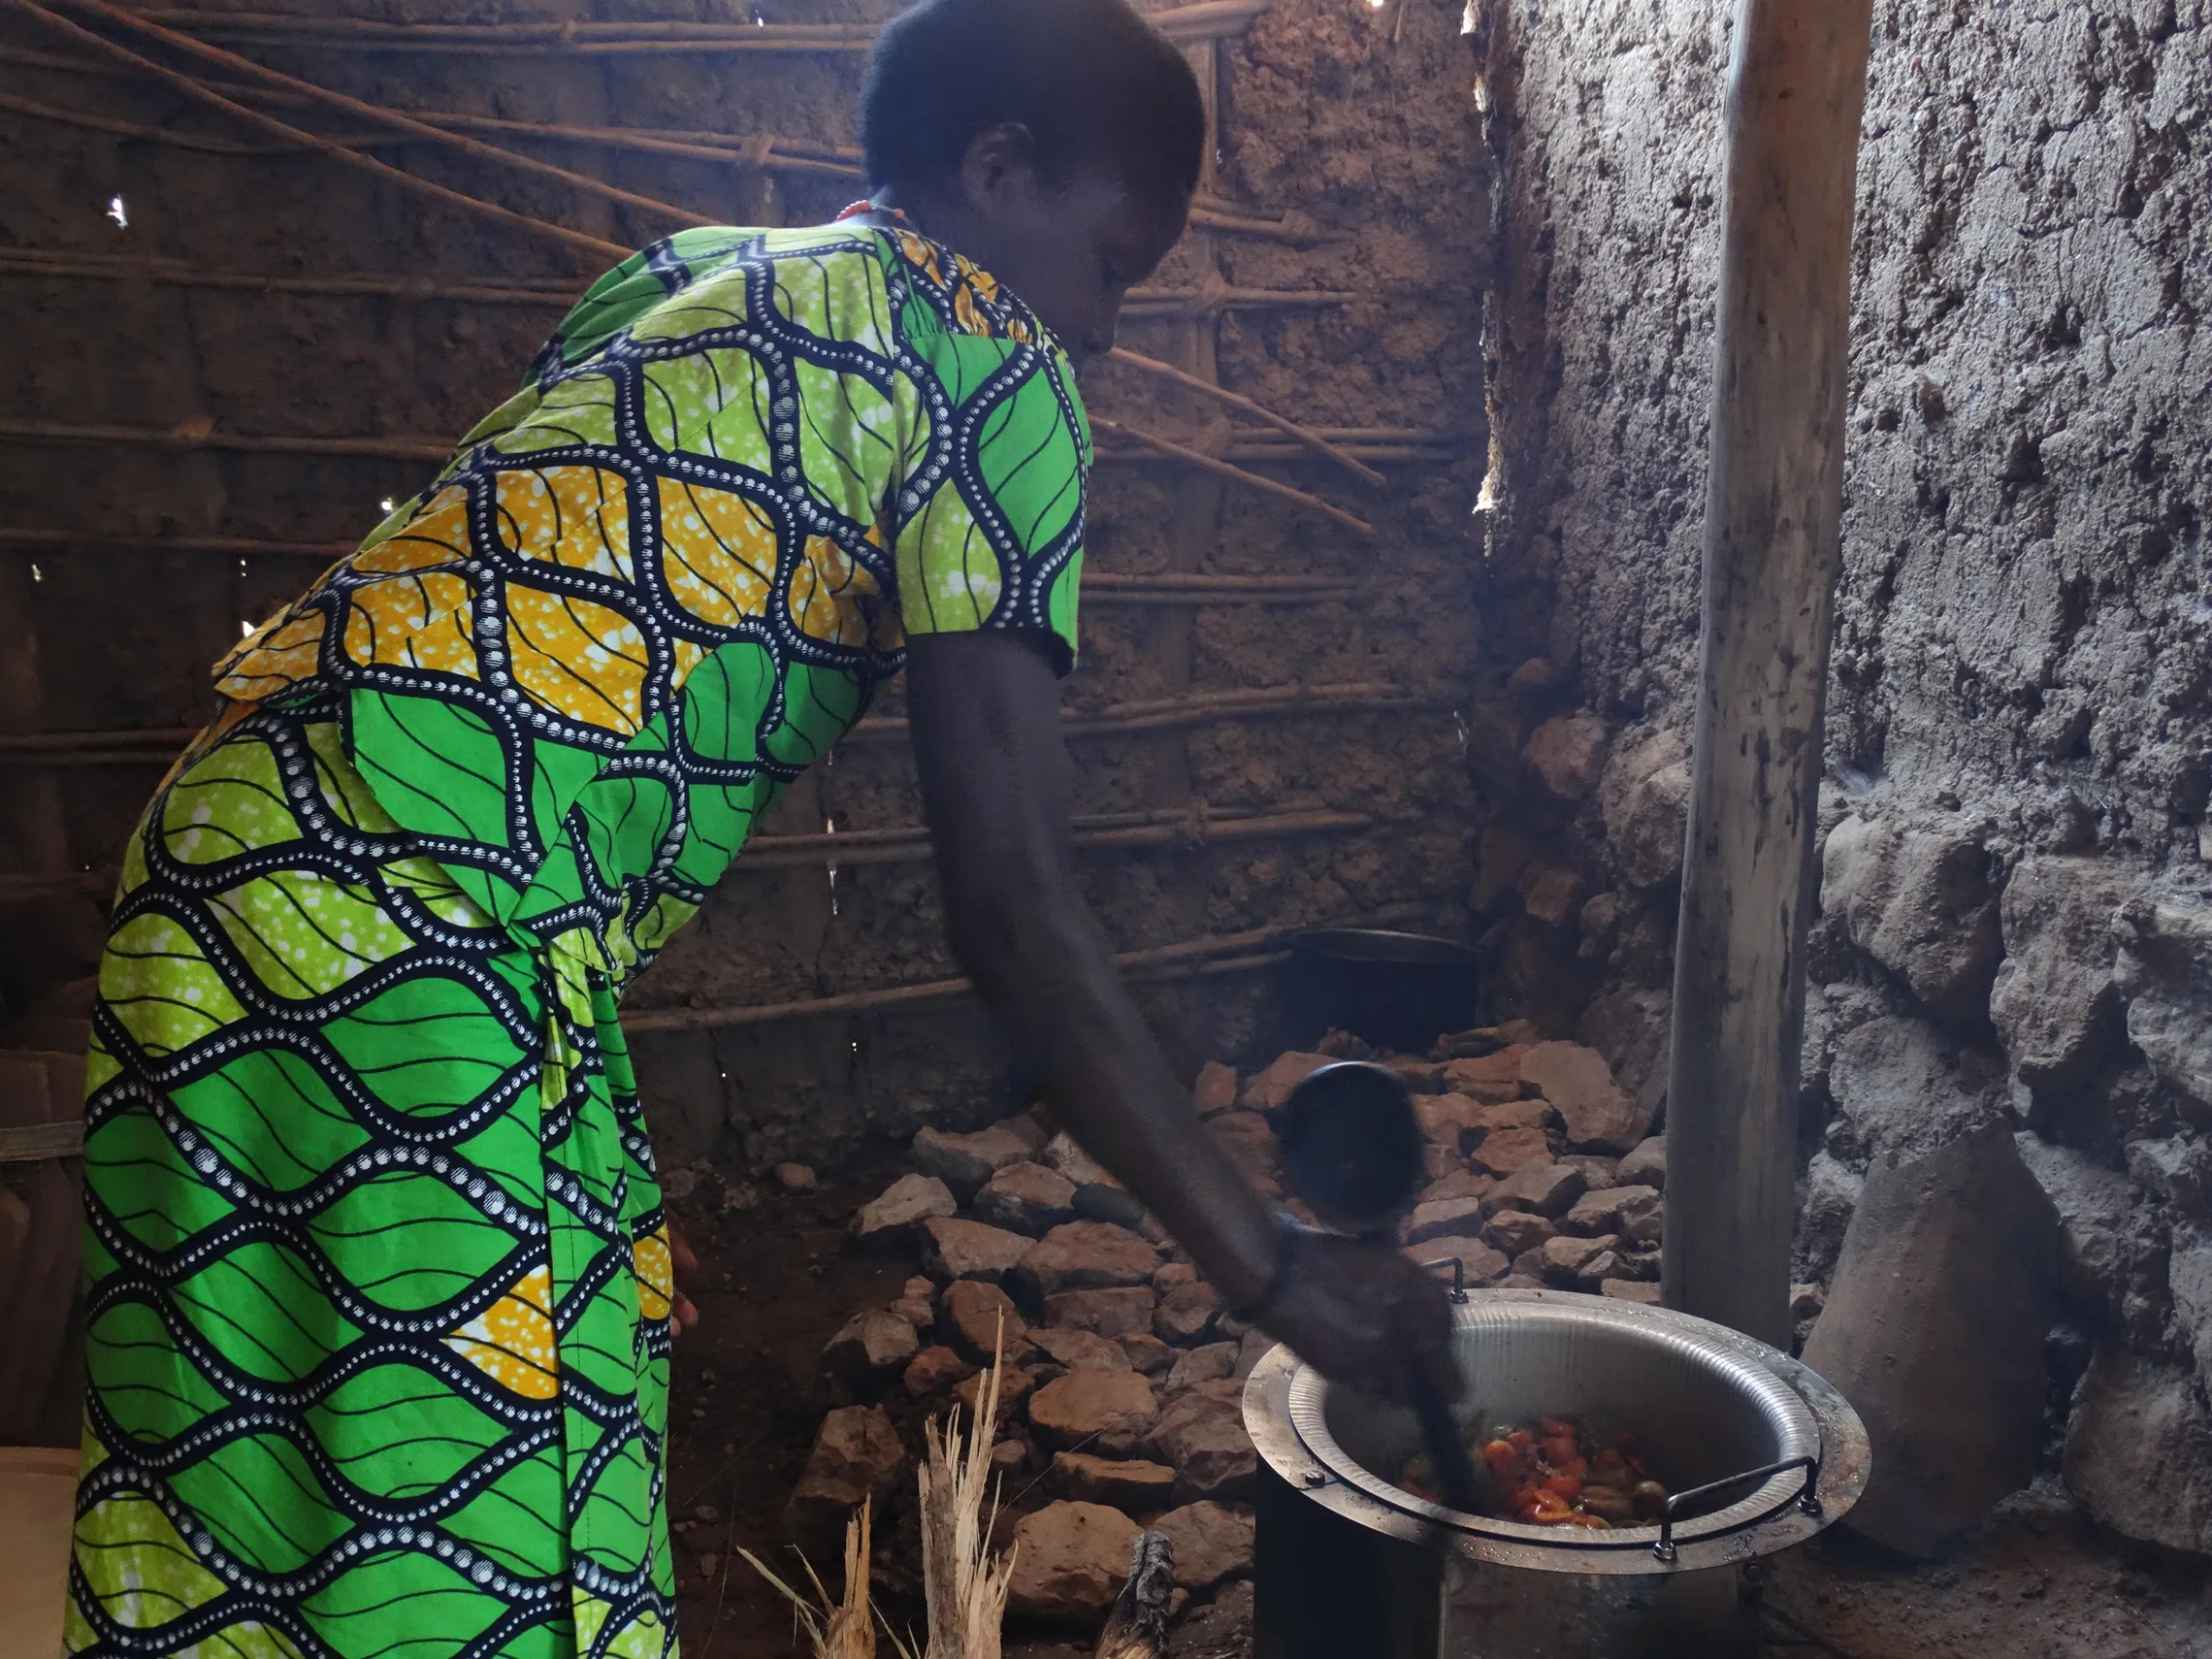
{"x": 1781, "y": 364}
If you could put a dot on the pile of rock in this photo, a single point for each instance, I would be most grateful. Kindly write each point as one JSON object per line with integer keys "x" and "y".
{"x": 1121, "y": 1403}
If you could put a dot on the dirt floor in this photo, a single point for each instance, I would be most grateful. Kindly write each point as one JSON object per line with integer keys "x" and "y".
{"x": 2034, "y": 1582}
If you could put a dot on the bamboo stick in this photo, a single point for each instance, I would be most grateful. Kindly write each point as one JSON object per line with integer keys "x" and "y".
{"x": 1306, "y": 436}
{"x": 161, "y": 743}
{"x": 1205, "y": 22}
{"x": 1251, "y": 480}
{"x": 1797, "y": 85}
{"x": 755, "y": 155}
{"x": 377, "y": 113}
{"x": 16, "y": 262}
{"x": 1217, "y": 954}
{"x": 415, "y": 449}
{"x": 1099, "y": 587}
{"x": 853, "y": 849}
{"x": 23, "y": 261}
{"x": 191, "y": 88}
{"x": 191, "y": 437}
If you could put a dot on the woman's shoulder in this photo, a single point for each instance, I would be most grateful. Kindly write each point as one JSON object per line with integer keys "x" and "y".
{"x": 949, "y": 293}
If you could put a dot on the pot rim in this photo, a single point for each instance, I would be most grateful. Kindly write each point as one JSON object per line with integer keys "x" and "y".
{"x": 1284, "y": 1404}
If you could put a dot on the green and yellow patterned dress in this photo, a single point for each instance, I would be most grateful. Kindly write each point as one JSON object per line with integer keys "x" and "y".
{"x": 379, "y": 1275}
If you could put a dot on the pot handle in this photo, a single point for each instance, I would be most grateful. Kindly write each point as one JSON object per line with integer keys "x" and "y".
{"x": 1807, "y": 1498}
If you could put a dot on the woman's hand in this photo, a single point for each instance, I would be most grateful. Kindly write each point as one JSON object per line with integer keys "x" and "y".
{"x": 683, "y": 1312}
{"x": 1364, "y": 1316}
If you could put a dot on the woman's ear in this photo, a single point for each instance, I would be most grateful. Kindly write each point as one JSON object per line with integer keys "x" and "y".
{"x": 1000, "y": 163}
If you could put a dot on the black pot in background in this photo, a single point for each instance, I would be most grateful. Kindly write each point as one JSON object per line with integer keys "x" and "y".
{"x": 1395, "y": 991}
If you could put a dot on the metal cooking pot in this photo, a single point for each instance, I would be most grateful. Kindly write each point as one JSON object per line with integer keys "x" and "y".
{"x": 1396, "y": 991}
{"x": 1758, "y": 1451}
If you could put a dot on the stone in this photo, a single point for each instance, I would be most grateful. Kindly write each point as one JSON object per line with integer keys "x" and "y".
{"x": 2189, "y": 1276}
{"x": 1070, "y": 1561}
{"x": 1113, "y": 1409}
{"x": 935, "y": 1368}
{"x": 1597, "y": 1113}
{"x": 1565, "y": 1258}
{"x": 796, "y": 1177}
{"x": 1008, "y": 1457}
{"x": 1255, "y": 1347}
{"x": 1026, "y": 1198}
{"x": 1540, "y": 1189}
{"x": 1634, "y": 1212}
{"x": 2138, "y": 1453}
{"x": 1267, "y": 1089}
{"x": 1567, "y": 754}
{"x": 1605, "y": 1264}
{"x": 1453, "y": 1120}
{"x": 1085, "y": 1256}
{"x": 1644, "y": 800}
{"x": 1830, "y": 1192}
{"x": 894, "y": 1220}
{"x": 1124, "y": 1483}
{"x": 1642, "y": 1265}
{"x": 2097, "y": 1224}
{"x": 1099, "y": 1197}
{"x": 2056, "y": 1002}
{"x": 1598, "y": 1173}
{"x": 857, "y": 1456}
{"x": 1459, "y": 1183}
{"x": 1148, "y": 1353}
{"x": 1082, "y": 1350}
{"x": 1211, "y": 1543}
{"x": 1492, "y": 1079}
{"x": 1174, "y": 1273}
{"x": 1519, "y": 1281}
{"x": 1629, "y": 1291}
{"x": 1452, "y": 1217}
{"x": 971, "y": 1313}
{"x": 1014, "y": 1386}
{"x": 1109, "y": 1313}
{"x": 868, "y": 1343}
{"x": 917, "y": 1303}
{"x": 1504, "y": 1152}
{"x": 1551, "y": 893}
{"x": 1207, "y": 1364}
{"x": 1517, "y": 1115}
{"x": 1187, "y": 1313}
{"x": 1480, "y": 1264}
{"x": 1935, "y": 1331}
{"x": 965, "y": 1162}
{"x": 1633, "y": 1027}
{"x": 954, "y": 1249}
{"x": 1202, "y": 1433}
{"x": 1514, "y": 1232}
{"x": 1922, "y": 900}
{"x": 2165, "y": 969}
{"x": 1216, "y": 1091}
{"x": 1249, "y": 1141}
{"x": 1647, "y": 1165}
{"x": 1904, "y": 1085}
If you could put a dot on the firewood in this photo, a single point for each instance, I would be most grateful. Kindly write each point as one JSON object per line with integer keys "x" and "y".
{"x": 1137, "y": 1626}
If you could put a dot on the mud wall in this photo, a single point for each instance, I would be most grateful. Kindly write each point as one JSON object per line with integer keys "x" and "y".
{"x": 2014, "y": 907}
{"x": 154, "y": 502}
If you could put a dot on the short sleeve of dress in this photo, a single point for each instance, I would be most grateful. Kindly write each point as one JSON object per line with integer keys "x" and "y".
{"x": 986, "y": 505}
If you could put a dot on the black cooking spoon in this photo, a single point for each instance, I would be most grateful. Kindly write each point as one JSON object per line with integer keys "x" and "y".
{"x": 1353, "y": 1150}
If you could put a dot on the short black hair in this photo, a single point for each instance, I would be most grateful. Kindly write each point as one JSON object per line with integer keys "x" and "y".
{"x": 1092, "y": 81}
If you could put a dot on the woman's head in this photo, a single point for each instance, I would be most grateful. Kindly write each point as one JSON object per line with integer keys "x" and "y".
{"x": 1055, "y": 143}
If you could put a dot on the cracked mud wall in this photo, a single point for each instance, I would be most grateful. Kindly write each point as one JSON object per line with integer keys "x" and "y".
{"x": 2014, "y": 913}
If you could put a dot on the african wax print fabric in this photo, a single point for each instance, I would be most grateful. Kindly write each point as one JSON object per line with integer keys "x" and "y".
{"x": 379, "y": 1272}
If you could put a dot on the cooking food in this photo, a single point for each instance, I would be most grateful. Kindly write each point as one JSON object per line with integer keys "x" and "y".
{"x": 1560, "y": 1472}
